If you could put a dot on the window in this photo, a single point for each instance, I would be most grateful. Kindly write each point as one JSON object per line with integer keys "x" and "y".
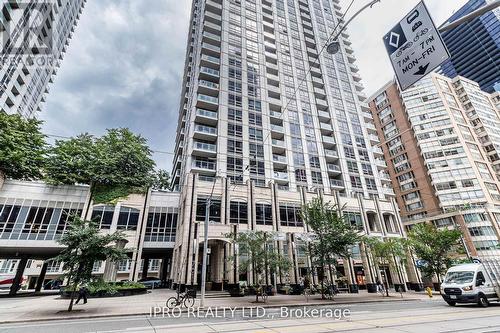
{"x": 161, "y": 225}
{"x": 234, "y": 130}
{"x": 127, "y": 219}
{"x": 355, "y": 219}
{"x": 103, "y": 216}
{"x": 234, "y": 114}
{"x": 290, "y": 215}
{"x": 316, "y": 177}
{"x": 352, "y": 167}
{"x": 356, "y": 182}
{"x": 214, "y": 213}
{"x": 234, "y": 146}
{"x": 238, "y": 212}
{"x": 263, "y": 214}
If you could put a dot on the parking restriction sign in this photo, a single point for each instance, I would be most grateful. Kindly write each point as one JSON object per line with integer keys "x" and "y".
{"x": 415, "y": 46}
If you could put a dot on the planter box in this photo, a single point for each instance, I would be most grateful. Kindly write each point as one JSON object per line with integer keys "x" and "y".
{"x": 119, "y": 293}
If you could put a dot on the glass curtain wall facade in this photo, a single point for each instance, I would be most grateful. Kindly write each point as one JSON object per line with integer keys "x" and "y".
{"x": 475, "y": 47}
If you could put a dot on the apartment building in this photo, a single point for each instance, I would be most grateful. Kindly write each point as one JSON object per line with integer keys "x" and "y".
{"x": 33, "y": 216}
{"x": 267, "y": 121}
{"x": 438, "y": 138}
{"x": 35, "y": 36}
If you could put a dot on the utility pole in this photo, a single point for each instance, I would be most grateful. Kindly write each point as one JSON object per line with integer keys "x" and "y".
{"x": 205, "y": 252}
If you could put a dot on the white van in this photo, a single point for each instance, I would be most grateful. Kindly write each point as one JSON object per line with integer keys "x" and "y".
{"x": 470, "y": 283}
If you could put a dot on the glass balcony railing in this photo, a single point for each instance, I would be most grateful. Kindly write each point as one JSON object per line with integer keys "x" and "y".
{"x": 205, "y": 129}
{"x": 277, "y": 128}
{"x": 336, "y": 183}
{"x": 331, "y": 153}
{"x": 279, "y": 158}
{"x": 278, "y": 143}
{"x": 208, "y": 99}
{"x": 210, "y": 58}
{"x": 207, "y": 165}
{"x": 209, "y": 71}
{"x": 208, "y": 84}
{"x": 206, "y": 113}
{"x": 205, "y": 146}
{"x": 280, "y": 175}
{"x": 333, "y": 167}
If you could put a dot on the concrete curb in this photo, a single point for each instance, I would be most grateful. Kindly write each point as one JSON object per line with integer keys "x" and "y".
{"x": 390, "y": 299}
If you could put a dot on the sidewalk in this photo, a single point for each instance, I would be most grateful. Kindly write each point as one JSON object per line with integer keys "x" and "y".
{"x": 25, "y": 309}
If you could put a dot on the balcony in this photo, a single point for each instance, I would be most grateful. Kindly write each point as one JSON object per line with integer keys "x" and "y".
{"x": 213, "y": 7}
{"x": 207, "y": 102}
{"x": 204, "y": 149}
{"x": 208, "y": 87}
{"x": 207, "y": 73}
{"x": 214, "y": 28}
{"x": 328, "y": 141}
{"x": 277, "y": 131}
{"x": 336, "y": 184}
{"x": 211, "y": 38}
{"x": 213, "y": 18}
{"x": 280, "y": 159}
{"x": 371, "y": 127}
{"x": 319, "y": 92}
{"x": 377, "y": 151}
{"x": 210, "y": 49}
{"x": 204, "y": 166}
{"x": 279, "y": 146}
{"x": 331, "y": 154}
{"x": 380, "y": 163}
{"x": 324, "y": 115}
{"x": 276, "y": 115}
{"x": 321, "y": 104}
{"x": 333, "y": 169}
{"x": 208, "y": 60}
{"x": 384, "y": 177}
{"x": 205, "y": 132}
{"x": 374, "y": 139}
{"x": 206, "y": 117}
{"x": 280, "y": 176}
{"x": 317, "y": 82}
{"x": 326, "y": 128}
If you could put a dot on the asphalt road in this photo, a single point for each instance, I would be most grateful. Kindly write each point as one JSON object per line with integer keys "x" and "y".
{"x": 395, "y": 316}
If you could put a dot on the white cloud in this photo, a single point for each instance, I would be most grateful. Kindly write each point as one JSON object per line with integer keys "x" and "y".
{"x": 125, "y": 64}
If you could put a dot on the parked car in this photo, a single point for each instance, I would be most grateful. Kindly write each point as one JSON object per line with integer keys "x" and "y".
{"x": 151, "y": 282}
{"x": 6, "y": 281}
{"x": 471, "y": 283}
{"x": 53, "y": 284}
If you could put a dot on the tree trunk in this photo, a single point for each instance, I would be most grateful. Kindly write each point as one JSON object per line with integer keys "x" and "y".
{"x": 70, "y": 307}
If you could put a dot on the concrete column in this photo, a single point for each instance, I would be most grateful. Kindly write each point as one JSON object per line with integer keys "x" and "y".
{"x": 41, "y": 277}
{"x": 367, "y": 266}
{"x": 19, "y": 276}
{"x": 351, "y": 276}
{"x": 145, "y": 268}
{"x": 110, "y": 270}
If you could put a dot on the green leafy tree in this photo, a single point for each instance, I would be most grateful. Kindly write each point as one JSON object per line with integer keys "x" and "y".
{"x": 22, "y": 147}
{"x": 83, "y": 246}
{"x": 123, "y": 158}
{"x": 436, "y": 247}
{"x": 386, "y": 251}
{"x": 161, "y": 180}
{"x": 114, "y": 165}
{"x": 257, "y": 254}
{"x": 71, "y": 161}
{"x": 333, "y": 235}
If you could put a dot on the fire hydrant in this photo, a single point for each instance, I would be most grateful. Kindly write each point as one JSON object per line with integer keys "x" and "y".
{"x": 428, "y": 290}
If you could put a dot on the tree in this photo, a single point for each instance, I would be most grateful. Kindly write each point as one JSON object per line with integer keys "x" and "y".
{"x": 71, "y": 161}
{"x": 123, "y": 158}
{"x": 257, "y": 253}
{"x": 83, "y": 246}
{"x": 161, "y": 180}
{"x": 385, "y": 252}
{"x": 22, "y": 147}
{"x": 434, "y": 246}
{"x": 333, "y": 235}
{"x": 114, "y": 165}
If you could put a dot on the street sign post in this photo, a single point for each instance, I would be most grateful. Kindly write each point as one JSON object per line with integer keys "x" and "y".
{"x": 415, "y": 46}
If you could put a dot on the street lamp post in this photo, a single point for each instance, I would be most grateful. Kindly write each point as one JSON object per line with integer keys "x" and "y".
{"x": 334, "y": 46}
{"x": 205, "y": 252}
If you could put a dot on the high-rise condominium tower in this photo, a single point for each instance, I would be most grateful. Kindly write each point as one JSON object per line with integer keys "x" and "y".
{"x": 475, "y": 47}
{"x": 34, "y": 37}
{"x": 261, "y": 103}
{"x": 269, "y": 120}
{"x": 442, "y": 151}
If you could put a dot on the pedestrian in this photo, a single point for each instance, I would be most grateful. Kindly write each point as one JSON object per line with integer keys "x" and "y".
{"x": 82, "y": 293}
{"x": 380, "y": 288}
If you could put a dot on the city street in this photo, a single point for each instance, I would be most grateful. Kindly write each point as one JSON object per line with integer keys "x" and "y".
{"x": 395, "y": 316}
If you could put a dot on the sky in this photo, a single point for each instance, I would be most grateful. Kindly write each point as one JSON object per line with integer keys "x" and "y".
{"x": 125, "y": 63}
